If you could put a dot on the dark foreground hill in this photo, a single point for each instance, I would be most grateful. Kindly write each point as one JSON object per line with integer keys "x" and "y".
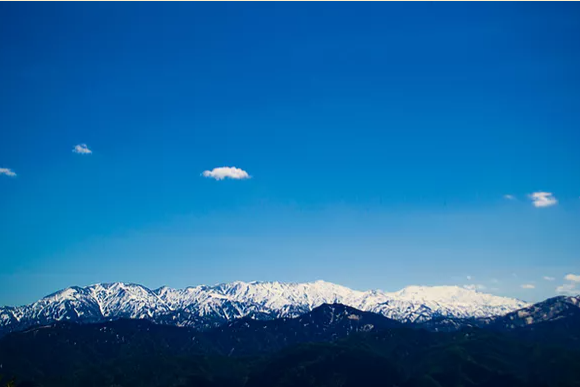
{"x": 332, "y": 346}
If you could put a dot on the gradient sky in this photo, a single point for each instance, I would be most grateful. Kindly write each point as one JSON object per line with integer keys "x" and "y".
{"x": 381, "y": 140}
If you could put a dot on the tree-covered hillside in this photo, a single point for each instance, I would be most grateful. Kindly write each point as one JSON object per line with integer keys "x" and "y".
{"x": 334, "y": 346}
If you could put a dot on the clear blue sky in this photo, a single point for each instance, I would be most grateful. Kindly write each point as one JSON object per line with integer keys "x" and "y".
{"x": 380, "y": 139}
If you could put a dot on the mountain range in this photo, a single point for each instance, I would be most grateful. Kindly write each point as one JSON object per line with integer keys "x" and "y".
{"x": 256, "y": 335}
{"x": 333, "y": 345}
{"x": 204, "y": 307}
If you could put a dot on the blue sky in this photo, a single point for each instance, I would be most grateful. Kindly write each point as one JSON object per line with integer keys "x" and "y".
{"x": 380, "y": 140}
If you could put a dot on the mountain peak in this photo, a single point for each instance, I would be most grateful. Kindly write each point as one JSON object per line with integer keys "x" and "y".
{"x": 454, "y": 294}
{"x": 208, "y": 306}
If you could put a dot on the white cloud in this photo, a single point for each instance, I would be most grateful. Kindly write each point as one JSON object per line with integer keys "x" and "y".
{"x": 549, "y": 278}
{"x": 572, "y": 277}
{"x": 226, "y": 172}
{"x": 543, "y": 199}
{"x": 82, "y": 149}
{"x": 528, "y": 286}
{"x": 509, "y": 197}
{"x": 469, "y": 277}
{"x": 474, "y": 287}
{"x": 7, "y": 172}
{"x": 569, "y": 289}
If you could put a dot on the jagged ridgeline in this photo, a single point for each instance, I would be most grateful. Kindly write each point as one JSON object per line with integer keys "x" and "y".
{"x": 205, "y": 307}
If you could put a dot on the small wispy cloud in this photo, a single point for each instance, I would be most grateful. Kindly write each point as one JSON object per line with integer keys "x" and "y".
{"x": 547, "y": 278}
{"x": 572, "y": 277}
{"x": 494, "y": 281}
{"x": 7, "y": 172}
{"x": 82, "y": 149}
{"x": 569, "y": 289}
{"x": 543, "y": 199}
{"x": 509, "y": 197}
{"x": 528, "y": 286}
{"x": 226, "y": 172}
{"x": 474, "y": 287}
{"x": 469, "y": 277}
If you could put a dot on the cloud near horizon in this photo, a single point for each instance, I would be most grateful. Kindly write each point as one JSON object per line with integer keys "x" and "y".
{"x": 572, "y": 277}
{"x": 7, "y": 172}
{"x": 222, "y": 173}
{"x": 474, "y": 287}
{"x": 543, "y": 199}
{"x": 569, "y": 288}
{"x": 82, "y": 149}
{"x": 547, "y": 278}
{"x": 528, "y": 286}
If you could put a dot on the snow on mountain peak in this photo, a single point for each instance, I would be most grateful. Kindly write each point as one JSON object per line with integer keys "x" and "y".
{"x": 449, "y": 294}
{"x": 204, "y": 306}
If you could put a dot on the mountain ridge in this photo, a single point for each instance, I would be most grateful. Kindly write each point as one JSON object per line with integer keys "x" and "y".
{"x": 549, "y": 310}
{"x": 206, "y": 306}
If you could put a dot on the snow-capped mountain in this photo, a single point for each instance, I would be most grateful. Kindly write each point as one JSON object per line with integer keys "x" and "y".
{"x": 210, "y": 306}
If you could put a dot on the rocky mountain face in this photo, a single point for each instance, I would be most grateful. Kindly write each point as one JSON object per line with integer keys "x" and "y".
{"x": 561, "y": 309}
{"x": 552, "y": 309}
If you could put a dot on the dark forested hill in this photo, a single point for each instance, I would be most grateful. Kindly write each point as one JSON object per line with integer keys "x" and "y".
{"x": 333, "y": 345}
